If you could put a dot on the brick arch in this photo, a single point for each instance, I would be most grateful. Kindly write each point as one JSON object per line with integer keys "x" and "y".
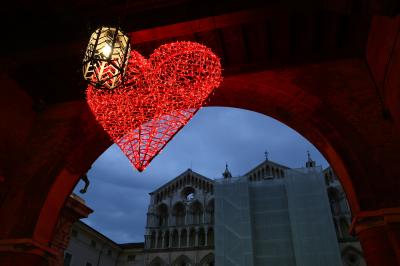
{"x": 292, "y": 98}
{"x": 259, "y": 99}
{"x": 252, "y": 92}
{"x": 333, "y": 105}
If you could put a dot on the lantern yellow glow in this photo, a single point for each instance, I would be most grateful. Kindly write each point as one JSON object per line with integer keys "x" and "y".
{"x": 106, "y": 57}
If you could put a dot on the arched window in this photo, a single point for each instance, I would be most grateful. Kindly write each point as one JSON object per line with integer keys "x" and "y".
{"x": 157, "y": 262}
{"x": 159, "y": 239}
{"x": 201, "y": 238}
{"x": 175, "y": 238}
{"x": 162, "y": 215}
{"x": 210, "y": 212}
{"x": 326, "y": 179}
{"x": 344, "y": 227}
{"x": 192, "y": 237}
{"x": 166, "y": 239}
{"x": 183, "y": 238}
{"x": 197, "y": 212}
{"x": 210, "y": 237}
{"x": 182, "y": 260}
{"x": 207, "y": 260}
{"x": 334, "y": 200}
{"x": 188, "y": 194}
{"x": 179, "y": 213}
{"x": 153, "y": 239}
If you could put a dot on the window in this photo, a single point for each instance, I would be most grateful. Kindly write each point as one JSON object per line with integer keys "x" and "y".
{"x": 109, "y": 252}
{"x": 190, "y": 197}
{"x": 74, "y": 233}
{"x": 344, "y": 228}
{"x": 67, "y": 259}
{"x": 93, "y": 243}
{"x": 188, "y": 194}
{"x": 131, "y": 257}
{"x": 88, "y": 264}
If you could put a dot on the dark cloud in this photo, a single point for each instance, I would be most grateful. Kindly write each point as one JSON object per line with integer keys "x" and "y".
{"x": 119, "y": 194}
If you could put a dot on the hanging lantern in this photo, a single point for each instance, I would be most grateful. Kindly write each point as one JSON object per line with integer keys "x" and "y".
{"x": 106, "y": 58}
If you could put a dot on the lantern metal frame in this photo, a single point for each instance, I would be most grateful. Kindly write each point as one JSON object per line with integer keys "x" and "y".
{"x": 106, "y": 57}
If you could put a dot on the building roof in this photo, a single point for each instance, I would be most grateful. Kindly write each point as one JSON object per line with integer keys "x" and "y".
{"x": 132, "y": 245}
{"x": 87, "y": 227}
{"x": 267, "y": 162}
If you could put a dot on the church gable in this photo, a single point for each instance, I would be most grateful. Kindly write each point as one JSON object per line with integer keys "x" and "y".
{"x": 187, "y": 179}
{"x": 267, "y": 170}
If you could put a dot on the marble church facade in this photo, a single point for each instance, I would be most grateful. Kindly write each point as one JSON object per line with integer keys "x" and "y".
{"x": 180, "y": 221}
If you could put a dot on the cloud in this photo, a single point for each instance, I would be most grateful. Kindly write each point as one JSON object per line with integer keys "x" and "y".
{"x": 119, "y": 194}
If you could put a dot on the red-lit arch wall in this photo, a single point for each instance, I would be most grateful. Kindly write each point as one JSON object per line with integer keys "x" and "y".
{"x": 335, "y": 105}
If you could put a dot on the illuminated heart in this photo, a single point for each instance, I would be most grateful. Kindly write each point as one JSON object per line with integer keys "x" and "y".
{"x": 159, "y": 97}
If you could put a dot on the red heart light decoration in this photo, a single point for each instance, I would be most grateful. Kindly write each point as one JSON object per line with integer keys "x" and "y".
{"x": 159, "y": 97}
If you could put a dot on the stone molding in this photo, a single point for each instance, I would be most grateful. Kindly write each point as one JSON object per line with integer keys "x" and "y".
{"x": 365, "y": 220}
{"x": 27, "y": 245}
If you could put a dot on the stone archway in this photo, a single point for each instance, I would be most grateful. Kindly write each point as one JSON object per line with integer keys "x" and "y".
{"x": 273, "y": 93}
{"x": 183, "y": 260}
{"x": 157, "y": 261}
{"x": 208, "y": 260}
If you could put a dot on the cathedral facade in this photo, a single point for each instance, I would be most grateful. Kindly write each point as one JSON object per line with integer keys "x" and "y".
{"x": 180, "y": 222}
{"x": 181, "y": 215}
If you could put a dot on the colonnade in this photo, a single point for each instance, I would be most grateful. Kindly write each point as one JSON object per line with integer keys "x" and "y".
{"x": 187, "y": 237}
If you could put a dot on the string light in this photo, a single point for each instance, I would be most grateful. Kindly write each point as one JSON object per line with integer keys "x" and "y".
{"x": 159, "y": 97}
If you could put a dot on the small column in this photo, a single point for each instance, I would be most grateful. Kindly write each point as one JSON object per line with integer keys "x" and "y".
{"x": 170, "y": 238}
{"x": 156, "y": 242}
{"x": 206, "y": 238}
{"x": 186, "y": 215}
{"x": 187, "y": 237}
{"x": 196, "y": 242}
{"x": 179, "y": 238}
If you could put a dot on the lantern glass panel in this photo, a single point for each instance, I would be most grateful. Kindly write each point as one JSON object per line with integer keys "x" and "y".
{"x": 106, "y": 57}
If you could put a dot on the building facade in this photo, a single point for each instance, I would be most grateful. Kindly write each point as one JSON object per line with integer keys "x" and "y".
{"x": 350, "y": 248}
{"x": 88, "y": 247}
{"x": 274, "y": 216}
{"x": 181, "y": 222}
